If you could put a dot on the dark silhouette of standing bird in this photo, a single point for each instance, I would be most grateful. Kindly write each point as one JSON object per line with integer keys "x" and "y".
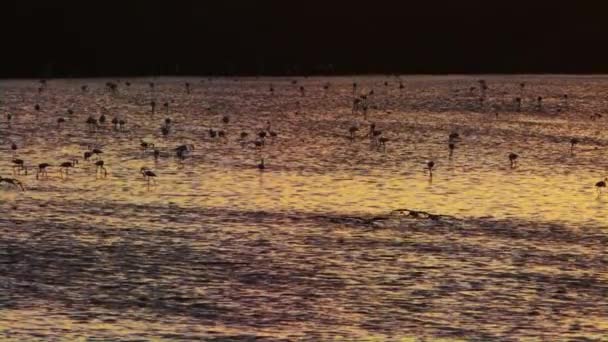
{"x": 573, "y": 143}
{"x": 352, "y": 131}
{"x": 37, "y": 107}
{"x": 91, "y": 123}
{"x": 429, "y": 166}
{"x": 164, "y": 130}
{"x": 382, "y": 143}
{"x": 42, "y": 170}
{"x": 599, "y": 186}
{"x": 99, "y": 168}
{"x": 513, "y": 159}
{"x": 96, "y": 151}
{"x": 182, "y": 151}
{"x": 261, "y": 165}
{"x": 115, "y": 123}
{"x": 18, "y": 166}
{"x": 148, "y": 174}
{"x": 451, "y": 147}
{"x": 64, "y": 167}
{"x": 87, "y": 155}
{"x": 226, "y": 119}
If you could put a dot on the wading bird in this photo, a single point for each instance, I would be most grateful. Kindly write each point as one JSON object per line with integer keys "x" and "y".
{"x": 91, "y": 123}
{"x": 429, "y": 167}
{"x": 42, "y": 170}
{"x": 148, "y": 174}
{"x": 352, "y": 131}
{"x": 599, "y": 186}
{"x": 64, "y": 167}
{"x": 513, "y": 159}
{"x": 18, "y": 166}
{"x": 573, "y": 143}
{"x": 182, "y": 151}
{"x": 99, "y": 168}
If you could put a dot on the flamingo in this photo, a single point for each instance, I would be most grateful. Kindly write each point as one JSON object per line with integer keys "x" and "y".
{"x": 91, "y": 123}
{"x": 353, "y": 130}
{"x": 64, "y": 167}
{"x": 600, "y": 186}
{"x": 164, "y": 130}
{"x": 454, "y": 136}
{"x": 42, "y": 170}
{"x": 18, "y": 166}
{"x": 87, "y": 155}
{"x": 99, "y": 167}
{"x": 382, "y": 143}
{"x": 513, "y": 159}
{"x": 429, "y": 166}
{"x": 182, "y": 151}
{"x": 148, "y": 174}
{"x": 573, "y": 142}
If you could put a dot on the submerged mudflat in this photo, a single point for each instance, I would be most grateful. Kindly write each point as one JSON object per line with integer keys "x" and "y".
{"x": 309, "y": 248}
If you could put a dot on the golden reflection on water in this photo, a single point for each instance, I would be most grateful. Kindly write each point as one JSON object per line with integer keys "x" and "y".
{"x": 217, "y": 248}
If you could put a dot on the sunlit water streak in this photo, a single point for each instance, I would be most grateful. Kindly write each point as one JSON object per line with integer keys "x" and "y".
{"x": 226, "y": 250}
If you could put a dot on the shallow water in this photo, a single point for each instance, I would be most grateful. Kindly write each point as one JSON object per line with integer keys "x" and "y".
{"x": 218, "y": 249}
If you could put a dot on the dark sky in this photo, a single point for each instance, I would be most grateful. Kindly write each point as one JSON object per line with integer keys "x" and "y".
{"x": 146, "y": 37}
